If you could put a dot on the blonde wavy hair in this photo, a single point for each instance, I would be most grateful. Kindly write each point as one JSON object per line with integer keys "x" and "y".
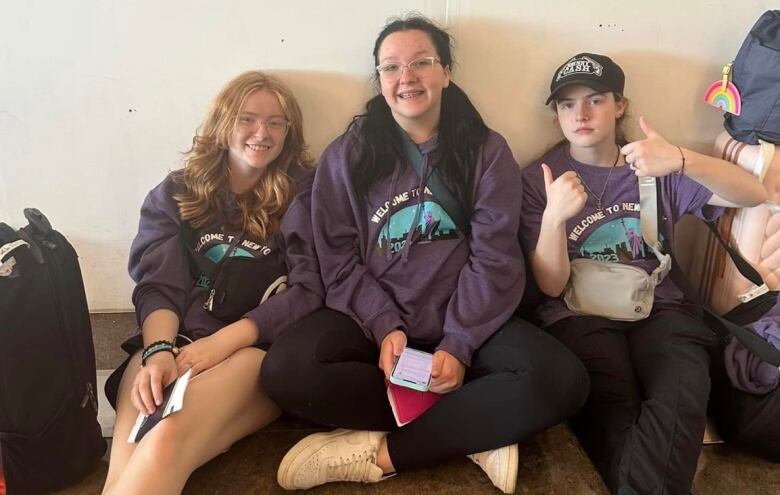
{"x": 206, "y": 173}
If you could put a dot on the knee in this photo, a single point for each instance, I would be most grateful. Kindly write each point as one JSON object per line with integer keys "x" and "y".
{"x": 681, "y": 380}
{"x": 295, "y": 361}
{"x": 564, "y": 375}
{"x": 555, "y": 373}
{"x": 576, "y": 384}
{"x": 693, "y": 390}
{"x": 162, "y": 447}
{"x": 249, "y": 357}
{"x": 275, "y": 372}
{"x": 287, "y": 372}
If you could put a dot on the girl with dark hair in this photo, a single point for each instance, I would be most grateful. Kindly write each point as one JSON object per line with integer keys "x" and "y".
{"x": 242, "y": 198}
{"x": 645, "y": 416}
{"x": 404, "y": 266}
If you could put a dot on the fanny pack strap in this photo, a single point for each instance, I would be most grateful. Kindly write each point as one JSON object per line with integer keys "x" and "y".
{"x": 648, "y": 219}
{"x": 198, "y": 261}
{"x": 648, "y": 211}
{"x": 436, "y": 184}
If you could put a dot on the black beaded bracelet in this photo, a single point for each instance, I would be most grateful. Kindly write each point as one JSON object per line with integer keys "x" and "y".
{"x": 155, "y": 347}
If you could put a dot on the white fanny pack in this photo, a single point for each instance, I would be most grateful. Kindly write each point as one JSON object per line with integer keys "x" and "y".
{"x": 615, "y": 290}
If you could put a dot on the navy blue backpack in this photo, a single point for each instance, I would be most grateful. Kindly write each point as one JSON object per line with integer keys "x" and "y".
{"x": 756, "y": 74}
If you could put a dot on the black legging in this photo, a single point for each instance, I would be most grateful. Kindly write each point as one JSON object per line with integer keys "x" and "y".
{"x": 521, "y": 382}
{"x": 644, "y": 420}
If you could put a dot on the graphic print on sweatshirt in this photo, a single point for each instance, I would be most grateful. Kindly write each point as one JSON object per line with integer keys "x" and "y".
{"x": 433, "y": 223}
{"x": 214, "y": 246}
{"x": 617, "y": 239}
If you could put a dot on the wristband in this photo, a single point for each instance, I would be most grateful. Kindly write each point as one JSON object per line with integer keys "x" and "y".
{"x": 155, "y": 347}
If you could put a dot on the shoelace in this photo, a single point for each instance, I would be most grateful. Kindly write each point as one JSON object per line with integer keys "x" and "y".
{"x": 354, "y": 468}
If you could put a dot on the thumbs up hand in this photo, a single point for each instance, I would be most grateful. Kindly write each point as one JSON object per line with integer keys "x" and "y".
{"x": 653, "y": 156}
{"x": 566, "y": 195}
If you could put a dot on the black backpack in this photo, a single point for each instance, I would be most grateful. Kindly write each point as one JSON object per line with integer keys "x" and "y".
{"x": 49, "y": 434}
{"x": 756, "y": 74}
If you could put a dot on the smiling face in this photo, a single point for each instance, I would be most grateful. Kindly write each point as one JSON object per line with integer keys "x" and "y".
{"x": 588, "y": 117}
{"x": 415, "y": 98}
{"x": 254, "y": 144}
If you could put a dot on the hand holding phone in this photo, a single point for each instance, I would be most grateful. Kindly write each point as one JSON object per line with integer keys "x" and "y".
{"x": 447, "y": 373}
{"x": 413, "y": 369}
{"x": 391, "y": 348}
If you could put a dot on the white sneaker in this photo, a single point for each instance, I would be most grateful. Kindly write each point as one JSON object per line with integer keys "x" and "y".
{"x": 339, "y": 455}
{"x": 500, "y": 465}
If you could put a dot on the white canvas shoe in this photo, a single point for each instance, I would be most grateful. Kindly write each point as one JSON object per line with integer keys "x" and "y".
{"x": 500, "y": 465}
{"x": 338, "y": 455}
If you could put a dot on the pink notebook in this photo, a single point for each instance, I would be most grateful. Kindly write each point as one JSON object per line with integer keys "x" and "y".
{"x": 407, "y": 404}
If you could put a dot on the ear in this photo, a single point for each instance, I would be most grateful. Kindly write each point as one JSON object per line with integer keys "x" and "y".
{"x": 447, "y": 76}
{"x": 620, "y": 108}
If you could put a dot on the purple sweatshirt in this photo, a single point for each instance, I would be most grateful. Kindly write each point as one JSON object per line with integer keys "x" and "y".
{"x": 397, "y": 260}
{"x": 159, "y": 263}
{"x": 747, "y": 371}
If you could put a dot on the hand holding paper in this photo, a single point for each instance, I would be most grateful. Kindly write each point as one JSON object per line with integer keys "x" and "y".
{"x": 173, "y": 400}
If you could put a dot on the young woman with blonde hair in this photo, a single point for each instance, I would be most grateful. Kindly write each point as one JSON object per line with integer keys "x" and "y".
{"x": 239, "y": 207}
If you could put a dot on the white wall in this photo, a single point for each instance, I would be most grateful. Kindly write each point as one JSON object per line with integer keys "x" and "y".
{"x": 98, "y": 98}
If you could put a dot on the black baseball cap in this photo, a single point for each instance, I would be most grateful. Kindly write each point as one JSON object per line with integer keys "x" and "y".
{"x": 589, "y": 69}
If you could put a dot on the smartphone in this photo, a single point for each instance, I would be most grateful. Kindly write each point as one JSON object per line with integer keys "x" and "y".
{"x": 413, "y": 369}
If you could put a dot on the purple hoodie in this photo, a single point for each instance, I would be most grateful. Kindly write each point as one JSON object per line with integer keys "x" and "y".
{"x": 159, "y": 263}
{"x": 747, "y": 371}
{"x": 397, "y": 260}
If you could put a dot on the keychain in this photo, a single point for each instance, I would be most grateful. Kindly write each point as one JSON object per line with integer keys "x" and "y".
{"x": 723, "y": 94}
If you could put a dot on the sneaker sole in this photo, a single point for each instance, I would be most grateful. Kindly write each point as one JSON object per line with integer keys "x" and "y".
{"x": 511, "y": 473}
{"x": 301, "y": 448}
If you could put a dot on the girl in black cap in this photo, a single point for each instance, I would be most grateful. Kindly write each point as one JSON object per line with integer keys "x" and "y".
{"x": 647, "y": 356}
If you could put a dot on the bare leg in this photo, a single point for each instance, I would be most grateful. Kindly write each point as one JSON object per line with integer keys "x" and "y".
{"x": 221, "y": 406}
{"x": 383, "y": 457}
{"x": 126, "y": 413}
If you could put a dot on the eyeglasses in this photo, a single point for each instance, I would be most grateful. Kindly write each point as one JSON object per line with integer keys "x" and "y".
{"x": 422, "y": 67}
{"x": 276, "y": 126}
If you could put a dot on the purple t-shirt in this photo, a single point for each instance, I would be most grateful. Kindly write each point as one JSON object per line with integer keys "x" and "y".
{"x": 613, "y": 234}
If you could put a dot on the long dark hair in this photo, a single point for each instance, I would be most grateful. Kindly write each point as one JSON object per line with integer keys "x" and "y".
{"x": 461, "y": 129}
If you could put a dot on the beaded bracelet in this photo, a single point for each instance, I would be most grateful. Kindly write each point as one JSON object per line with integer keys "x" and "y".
{"x": 155, "y": 347}
{"x": 682, "y": 167}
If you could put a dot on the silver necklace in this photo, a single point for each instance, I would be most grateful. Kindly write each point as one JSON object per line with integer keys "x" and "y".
{"x": 606, "y": 182}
